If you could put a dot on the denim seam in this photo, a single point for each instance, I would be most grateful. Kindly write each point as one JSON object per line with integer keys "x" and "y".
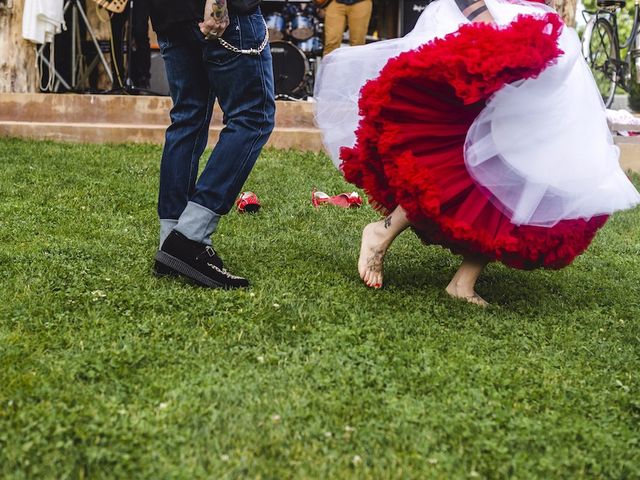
{"x": 264, "y": 105}
{"x": 205, "y": 125}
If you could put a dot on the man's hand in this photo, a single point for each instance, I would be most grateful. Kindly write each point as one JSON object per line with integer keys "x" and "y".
{"x": 216, "y": 19}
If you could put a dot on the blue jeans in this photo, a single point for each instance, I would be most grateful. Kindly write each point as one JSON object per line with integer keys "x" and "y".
{"x": 200, "y": 72}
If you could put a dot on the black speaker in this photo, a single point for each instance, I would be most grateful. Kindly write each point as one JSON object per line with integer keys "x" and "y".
{"x": 410, "y": 10}
{"x": 158, "y": 82}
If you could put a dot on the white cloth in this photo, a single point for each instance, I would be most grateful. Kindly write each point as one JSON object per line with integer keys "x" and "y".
{"x": 622, "y": 117}
{"x": 42, "y": 19}
{"x": 541, "y": 146}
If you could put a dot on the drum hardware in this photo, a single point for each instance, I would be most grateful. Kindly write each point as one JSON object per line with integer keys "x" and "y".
{"x": 314, "y": 62}
{"x": 289, "y": 11}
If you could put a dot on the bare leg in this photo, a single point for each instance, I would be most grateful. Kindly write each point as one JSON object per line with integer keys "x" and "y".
{"x": 376, "y": 239}
{"x": 378, "y": 236}
{"x": 463, "y": 283}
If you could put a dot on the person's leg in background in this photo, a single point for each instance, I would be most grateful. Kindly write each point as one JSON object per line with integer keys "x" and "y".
{"x": 358, "y": 17}
{"x": 141, "y": 59}
{"x": 335, "y": 21}
{"x": 117, "y": 24}
{"x": 186, "y": 137}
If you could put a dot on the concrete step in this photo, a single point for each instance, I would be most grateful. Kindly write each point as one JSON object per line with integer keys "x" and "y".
{"x": 116, "y": 109}
{"x": 282, "y": 137}
{"x": 629, "y": 155}
{"x": 131, "y": 119}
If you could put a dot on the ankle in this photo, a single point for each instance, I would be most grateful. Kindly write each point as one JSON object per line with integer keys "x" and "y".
{"x": 461, "y": 287}
{"x": 382, "y": 235}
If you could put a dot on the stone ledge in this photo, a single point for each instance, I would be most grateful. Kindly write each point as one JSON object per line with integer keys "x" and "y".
{"x": 296, "y": 138}
{"x": 147, "y": 110}
{"x": 630, "y": 156}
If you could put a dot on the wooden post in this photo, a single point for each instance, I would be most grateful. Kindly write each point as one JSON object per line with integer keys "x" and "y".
{"x": 18, "y": 72}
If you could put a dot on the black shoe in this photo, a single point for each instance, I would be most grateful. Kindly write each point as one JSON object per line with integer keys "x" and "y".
{"x": 196, "y": 261}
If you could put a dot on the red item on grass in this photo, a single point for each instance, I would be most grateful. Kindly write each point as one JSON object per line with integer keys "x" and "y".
{"x": 248, "y": 202}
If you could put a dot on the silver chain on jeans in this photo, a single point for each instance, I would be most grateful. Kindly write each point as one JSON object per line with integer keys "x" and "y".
{"x": 250, "y": 51}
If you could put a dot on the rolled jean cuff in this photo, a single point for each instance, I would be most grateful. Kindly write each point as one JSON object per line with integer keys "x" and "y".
{"x": 197, "y": 223}
{"x": 166, "y": 225}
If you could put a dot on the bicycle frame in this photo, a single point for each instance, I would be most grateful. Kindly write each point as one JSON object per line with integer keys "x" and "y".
{"x": 610, "y": 14}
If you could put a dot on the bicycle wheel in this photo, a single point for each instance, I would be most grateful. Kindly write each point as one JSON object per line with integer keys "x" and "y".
{"x": 601, "y": 53}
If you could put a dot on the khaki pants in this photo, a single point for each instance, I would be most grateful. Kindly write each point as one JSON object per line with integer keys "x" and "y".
{"x": 338, "y": 16}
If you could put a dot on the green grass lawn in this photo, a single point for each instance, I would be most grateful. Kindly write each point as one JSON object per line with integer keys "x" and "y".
{"x": 106, "y": 371}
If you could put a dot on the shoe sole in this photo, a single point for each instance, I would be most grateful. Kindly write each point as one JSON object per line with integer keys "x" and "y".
{"x": 188, "y": 271}
{"x": 161, "y": 271}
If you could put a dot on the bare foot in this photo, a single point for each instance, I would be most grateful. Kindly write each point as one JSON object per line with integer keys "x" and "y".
{"x": 470, "y": 295}
{"x": 372, "y": 250}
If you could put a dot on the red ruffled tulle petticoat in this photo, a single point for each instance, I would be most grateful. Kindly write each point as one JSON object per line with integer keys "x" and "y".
{"x": 409, "y": 148}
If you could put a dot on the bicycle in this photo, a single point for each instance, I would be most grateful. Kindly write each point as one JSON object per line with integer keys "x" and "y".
{"x": 602, "y": 50}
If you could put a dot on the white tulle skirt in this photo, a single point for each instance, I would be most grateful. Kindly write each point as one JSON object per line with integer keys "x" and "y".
{"x": 541, "y": 146}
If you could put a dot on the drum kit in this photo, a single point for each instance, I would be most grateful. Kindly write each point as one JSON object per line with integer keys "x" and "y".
{"x": 296, "y": 47}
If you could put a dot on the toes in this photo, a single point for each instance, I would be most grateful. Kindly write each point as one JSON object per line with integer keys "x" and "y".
{"x": 477, "y": 300}
{"x": 375, "y": 281}
{"x": 372, "y": 279}
{"x": 363, "y": 271}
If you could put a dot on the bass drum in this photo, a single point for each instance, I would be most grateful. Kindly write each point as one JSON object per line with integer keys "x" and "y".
{"x": 290, "y": 68}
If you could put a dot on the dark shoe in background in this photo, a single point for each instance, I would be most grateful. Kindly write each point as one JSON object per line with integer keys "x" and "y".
{"x": 196, "y": 261}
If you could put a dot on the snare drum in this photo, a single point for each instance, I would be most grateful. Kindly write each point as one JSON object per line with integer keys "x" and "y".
{"x": 302, "y": 27}
{"x": 290, "y": 68}
{"x": 275, "y": 24}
